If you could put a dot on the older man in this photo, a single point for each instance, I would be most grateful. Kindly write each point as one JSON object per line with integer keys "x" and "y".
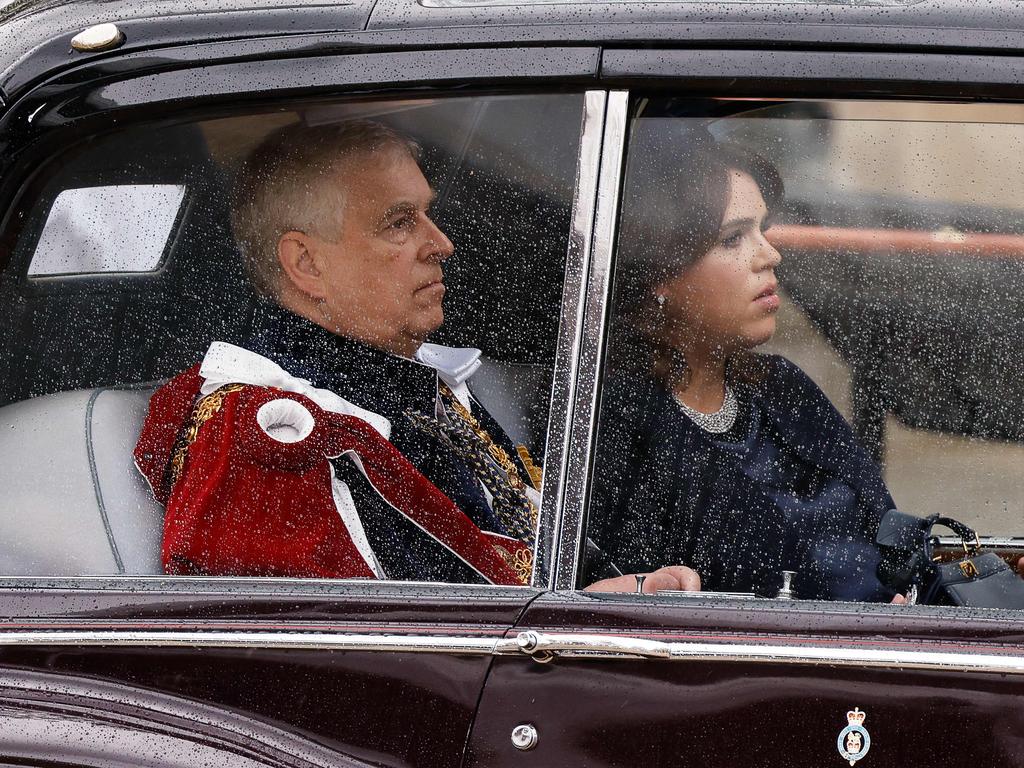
{"x": 337, "y": 443}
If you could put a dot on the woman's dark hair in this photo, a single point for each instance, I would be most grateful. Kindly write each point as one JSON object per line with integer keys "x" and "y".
{"x": 674, "y": 199}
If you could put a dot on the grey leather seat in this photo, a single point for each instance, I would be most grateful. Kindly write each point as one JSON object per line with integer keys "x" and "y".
{"x": 72, "y": 502}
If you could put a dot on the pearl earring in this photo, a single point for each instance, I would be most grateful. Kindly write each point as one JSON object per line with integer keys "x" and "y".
{"x": 661, "y": 301}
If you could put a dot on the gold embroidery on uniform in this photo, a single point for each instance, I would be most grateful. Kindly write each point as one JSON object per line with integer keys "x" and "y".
{"x": 535, "y": 472}
{"x": 497, "y": 473}
{"x": 499, "y": 454}
{"x": 520, "y": 561}
{"x": 205, "y": 409}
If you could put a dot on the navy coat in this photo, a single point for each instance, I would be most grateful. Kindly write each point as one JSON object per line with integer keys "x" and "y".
{"x": 666, "y": 494}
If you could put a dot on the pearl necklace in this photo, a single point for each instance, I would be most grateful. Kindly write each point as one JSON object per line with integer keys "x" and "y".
{"x": 718, "y": 422}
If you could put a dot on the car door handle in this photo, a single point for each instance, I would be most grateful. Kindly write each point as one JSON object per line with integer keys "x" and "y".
{"x": 544, "y": 646}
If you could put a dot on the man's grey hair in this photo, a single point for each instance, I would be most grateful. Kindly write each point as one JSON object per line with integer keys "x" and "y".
{"x": 294, "y": 181}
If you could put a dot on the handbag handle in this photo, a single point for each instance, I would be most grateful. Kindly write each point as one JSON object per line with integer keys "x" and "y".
{"x": 968, "y": 537}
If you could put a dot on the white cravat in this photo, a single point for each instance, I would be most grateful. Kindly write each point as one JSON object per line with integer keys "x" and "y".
{"x": 454, "y": 365}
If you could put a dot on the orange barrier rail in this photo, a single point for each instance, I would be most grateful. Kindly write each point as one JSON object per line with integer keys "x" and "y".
{"x": 798, "y": 237}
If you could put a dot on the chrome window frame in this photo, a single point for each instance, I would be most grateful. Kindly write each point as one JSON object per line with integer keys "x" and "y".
{"x": 542, "y": 646}
{"x": 586, "y": 385}
{"x": 558, "y": 482}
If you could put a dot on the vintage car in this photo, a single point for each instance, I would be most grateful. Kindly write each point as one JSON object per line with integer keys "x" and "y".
{"x": 897, "y": 127}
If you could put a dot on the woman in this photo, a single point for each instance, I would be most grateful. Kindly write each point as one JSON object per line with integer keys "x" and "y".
{"x": 711, "y": 456}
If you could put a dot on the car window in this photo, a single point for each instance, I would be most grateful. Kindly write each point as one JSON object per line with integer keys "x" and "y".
{"x": 368, "y": 290}
{"x": 815, "y": 315}
{"x": 93, "y": 230}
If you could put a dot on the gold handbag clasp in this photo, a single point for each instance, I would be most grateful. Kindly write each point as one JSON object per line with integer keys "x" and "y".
{"x": 968, "y": 569}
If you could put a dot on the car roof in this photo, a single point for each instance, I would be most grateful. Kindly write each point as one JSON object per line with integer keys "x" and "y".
{"x": 828, "y": 17}
{"x": 35, "y": 35}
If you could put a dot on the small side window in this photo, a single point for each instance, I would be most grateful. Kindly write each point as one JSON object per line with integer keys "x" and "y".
{"x": 107, "y": 229}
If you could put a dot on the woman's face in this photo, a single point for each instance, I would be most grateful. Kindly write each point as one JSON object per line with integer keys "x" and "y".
{"x": 726, "y": 301}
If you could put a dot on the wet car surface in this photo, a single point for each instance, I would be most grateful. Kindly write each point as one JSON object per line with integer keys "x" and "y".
{"x": 896, "y": 128}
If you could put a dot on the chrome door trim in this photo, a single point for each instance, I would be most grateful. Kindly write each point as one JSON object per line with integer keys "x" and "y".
{"x": 584, "y": 412}
{"x": 320, "y": 641}
{"x": 563, "y": 383}
{"x": 545, "y": 646}
{"x": 539, "y": 645}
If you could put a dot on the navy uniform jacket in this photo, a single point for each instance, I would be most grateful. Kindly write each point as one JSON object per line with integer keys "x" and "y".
{"x": 390, "y": 386}
{"x": 665, "y": 493}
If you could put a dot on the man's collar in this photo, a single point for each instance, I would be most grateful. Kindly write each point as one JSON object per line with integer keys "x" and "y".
{"x": 454, "y": 364}
{"x": 227, "y": 364}
{"x": 366, "y": 375}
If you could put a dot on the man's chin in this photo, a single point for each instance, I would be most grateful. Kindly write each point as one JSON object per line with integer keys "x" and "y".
{"x": 427, "y": 325}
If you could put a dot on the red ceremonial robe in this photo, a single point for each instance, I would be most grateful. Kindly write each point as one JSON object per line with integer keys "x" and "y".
{"x": 256, "y": 494}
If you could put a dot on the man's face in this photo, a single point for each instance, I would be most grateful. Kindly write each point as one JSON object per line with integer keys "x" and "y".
{"x": 382, "y": 281}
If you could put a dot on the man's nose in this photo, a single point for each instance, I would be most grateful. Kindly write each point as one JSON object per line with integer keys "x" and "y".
{"x": 438, "y": 245}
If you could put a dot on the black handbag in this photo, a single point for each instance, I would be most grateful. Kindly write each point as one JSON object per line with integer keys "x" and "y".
{"x": 977, "y": 580}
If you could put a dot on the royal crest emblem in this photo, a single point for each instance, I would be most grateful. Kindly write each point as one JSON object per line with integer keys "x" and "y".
{"x": 854, "y": 740}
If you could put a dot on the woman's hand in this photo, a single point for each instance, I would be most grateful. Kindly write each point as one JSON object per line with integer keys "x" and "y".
{"x": 675, "y": 577}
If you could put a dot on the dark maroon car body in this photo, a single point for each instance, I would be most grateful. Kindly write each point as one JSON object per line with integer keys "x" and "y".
{"x": 152, "y": 671}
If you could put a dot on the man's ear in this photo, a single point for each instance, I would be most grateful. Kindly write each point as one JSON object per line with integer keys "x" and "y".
{"x": 296, "y": 252}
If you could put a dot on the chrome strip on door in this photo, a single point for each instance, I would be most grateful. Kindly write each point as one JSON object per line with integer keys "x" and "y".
{"x": 563, "y": 384}
{"x": 320, "y": 641}
{"x": 585, "y": 395}
{"x": 542, "y": 646}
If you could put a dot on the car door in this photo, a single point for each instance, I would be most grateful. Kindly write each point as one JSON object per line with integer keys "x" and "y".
{"x": 122, "y": 269}
{"x": 103, "y": 673}
{"x": 885, "y": 286}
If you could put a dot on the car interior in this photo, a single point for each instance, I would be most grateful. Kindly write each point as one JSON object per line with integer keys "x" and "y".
{"x": 88, "y": 347}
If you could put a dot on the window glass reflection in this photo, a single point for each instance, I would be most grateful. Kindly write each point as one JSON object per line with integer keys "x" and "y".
{"x": 107, "y": 229}
{"x": 814, "y": 314}
{"x": 342, "y": 368}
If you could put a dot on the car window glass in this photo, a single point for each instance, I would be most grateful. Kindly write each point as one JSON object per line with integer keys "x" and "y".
{"x": 815, "y": 315}
{"x": 299, "y": 428}
{"x": 107, "y": 229}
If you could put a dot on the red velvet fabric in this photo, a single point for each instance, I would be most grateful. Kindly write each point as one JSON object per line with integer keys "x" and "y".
{"x": 247, "y": 504}
{"x": 169, "y": 408}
